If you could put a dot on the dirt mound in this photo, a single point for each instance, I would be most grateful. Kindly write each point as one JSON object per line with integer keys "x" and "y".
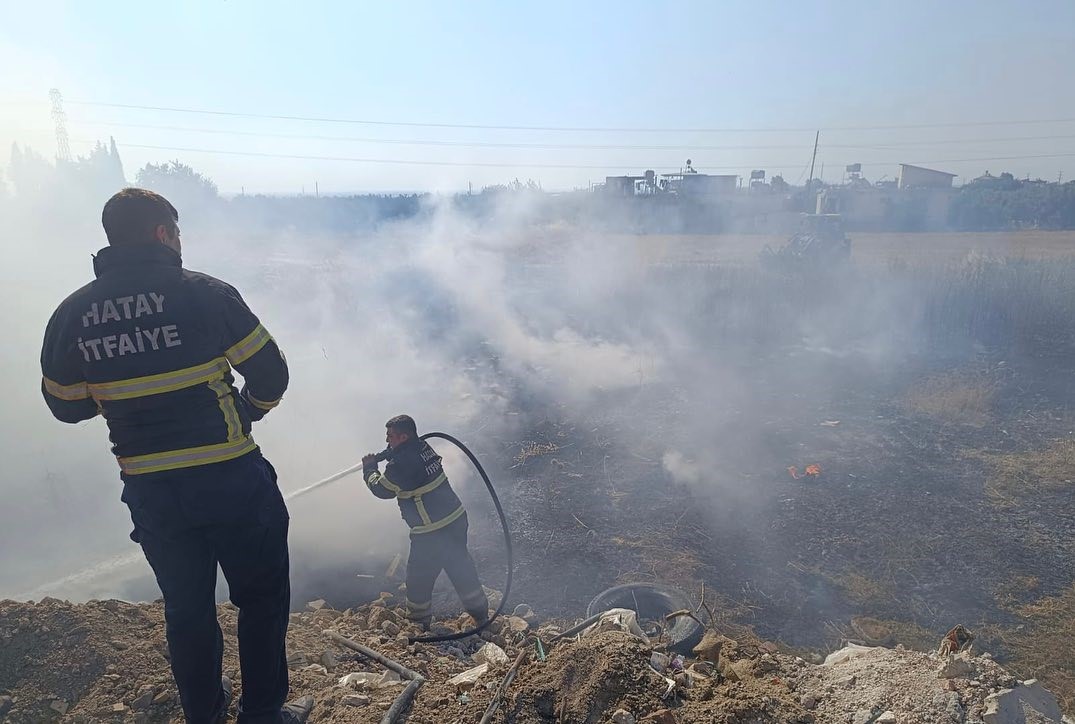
{"x": 587, "y": 681}
{"x": 107, "y": 661}
{"x": 82, "y": 663}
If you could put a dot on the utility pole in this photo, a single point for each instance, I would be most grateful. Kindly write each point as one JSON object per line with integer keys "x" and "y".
{"x": 63, "y": 148}
{"x": 813, "y": 158}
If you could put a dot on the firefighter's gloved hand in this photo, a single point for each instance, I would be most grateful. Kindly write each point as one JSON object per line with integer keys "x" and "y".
{"x": 369, "y": 464}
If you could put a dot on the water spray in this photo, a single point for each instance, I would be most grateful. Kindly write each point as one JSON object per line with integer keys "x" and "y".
{"x": 123, "y": 561}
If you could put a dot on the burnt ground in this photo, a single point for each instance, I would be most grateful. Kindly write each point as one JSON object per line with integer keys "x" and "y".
{"x": 898, "y": 527}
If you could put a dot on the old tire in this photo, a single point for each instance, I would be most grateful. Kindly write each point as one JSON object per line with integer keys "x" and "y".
{"x": 653, "y": 602}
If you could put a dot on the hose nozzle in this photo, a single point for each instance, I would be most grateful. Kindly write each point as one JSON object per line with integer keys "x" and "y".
{"x": 384, "y": 454}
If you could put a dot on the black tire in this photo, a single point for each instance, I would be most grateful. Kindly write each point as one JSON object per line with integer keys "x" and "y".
{"x": 653, "y": 602}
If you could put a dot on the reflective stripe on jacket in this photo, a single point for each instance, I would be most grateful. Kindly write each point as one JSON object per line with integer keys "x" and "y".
{"x": 415, "y": 477}
{"x": 150, "y": 346}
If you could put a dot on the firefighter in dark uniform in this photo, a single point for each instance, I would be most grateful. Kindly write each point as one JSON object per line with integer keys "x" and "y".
{"x": 150, "y": 347}
{"x": 437, "y": 519}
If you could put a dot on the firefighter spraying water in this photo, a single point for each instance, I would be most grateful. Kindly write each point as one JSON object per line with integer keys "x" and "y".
{"x": 438, "y": 522}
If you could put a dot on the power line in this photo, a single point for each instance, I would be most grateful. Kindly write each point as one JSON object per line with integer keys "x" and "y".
{"x": 475, "y": 164}
{"x": 893, "y": 145}
{"x": 575, "y": 129}
{"x": 403, "y": 162}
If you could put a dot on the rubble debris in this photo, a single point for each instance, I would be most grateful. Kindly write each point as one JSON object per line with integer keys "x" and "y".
{"x": 490, "y": 654}
{"x": 847, "y": 653}
{"x": 601, "y": 677}
{"x": 468, "y": 678}
{"x": 145, "y": 698}
{"x": 329, "y": 660}
{"x": 359, "y": 679}
{"x": 316, "y": 605}
{"x": 956, "y": 667}
{"x": 1009, "y": 706}
{"x": 355, "y": 700}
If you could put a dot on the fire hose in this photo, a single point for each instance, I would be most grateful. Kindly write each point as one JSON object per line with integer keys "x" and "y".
{"x": 432, "y": 638}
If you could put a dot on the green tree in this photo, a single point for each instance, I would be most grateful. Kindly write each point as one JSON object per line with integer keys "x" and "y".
{"x": 179, "y": 183}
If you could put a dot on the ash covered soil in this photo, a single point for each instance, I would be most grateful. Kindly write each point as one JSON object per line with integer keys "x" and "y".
{"x": 107, "y": 661}
{"x": 912, "y": 522}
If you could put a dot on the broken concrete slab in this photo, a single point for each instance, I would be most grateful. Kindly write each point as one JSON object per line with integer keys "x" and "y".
{"x": 1008, "y": 706}
{"x": 468, "y": 678}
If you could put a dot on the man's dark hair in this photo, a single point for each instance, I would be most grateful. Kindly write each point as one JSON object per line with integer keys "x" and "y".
{"x": 403, "y": 423}
{"x": 132, "y": 216}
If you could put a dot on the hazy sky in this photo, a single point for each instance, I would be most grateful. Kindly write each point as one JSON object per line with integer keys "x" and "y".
{"x": 606, "y": 65}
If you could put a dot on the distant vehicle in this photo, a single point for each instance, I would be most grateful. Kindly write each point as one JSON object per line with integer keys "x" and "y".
{"x": 819, "y": 242}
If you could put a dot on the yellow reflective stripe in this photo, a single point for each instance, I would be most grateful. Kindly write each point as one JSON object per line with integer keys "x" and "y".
{"x": 186, "y": 458}
{"x": 383, "y": 481}
{"x": 261, "y": 405}
{"x": 422, "y": 512}
{"x": 227, "y": 408}
{"x": 451, "y": 518}
{"x": 248, "y": 346}
{"x": 428, "y": 487}
{"x": 158, "y": 384}
{"x": 77, "y": 391}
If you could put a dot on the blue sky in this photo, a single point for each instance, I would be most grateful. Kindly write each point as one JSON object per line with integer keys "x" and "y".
{"x": 675, "y": 65}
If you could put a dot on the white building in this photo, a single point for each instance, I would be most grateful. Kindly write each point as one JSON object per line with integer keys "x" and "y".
{"x": 916, "y": 177}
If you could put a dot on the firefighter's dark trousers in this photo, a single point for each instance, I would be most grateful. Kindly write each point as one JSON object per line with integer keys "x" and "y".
{"x": 446, "y": 550}
{"x": 188, "y": 521}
